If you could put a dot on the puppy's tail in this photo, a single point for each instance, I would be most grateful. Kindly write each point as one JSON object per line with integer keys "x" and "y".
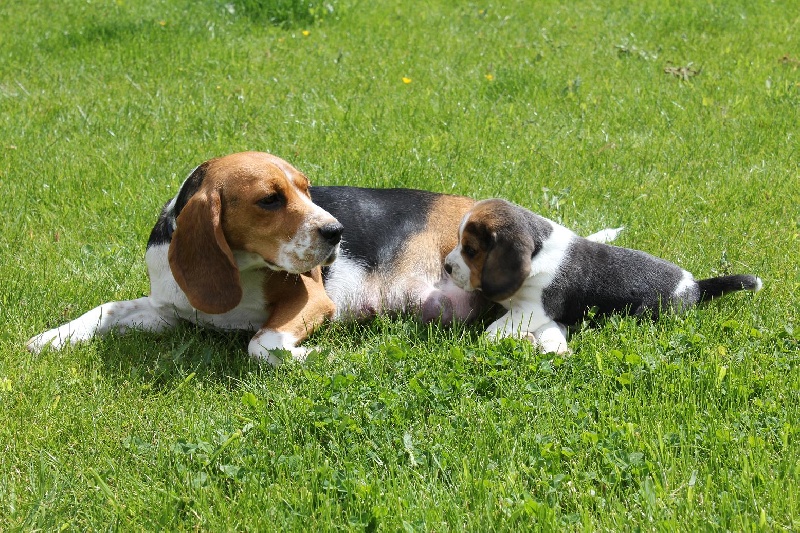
{"x": 716, "y": 287}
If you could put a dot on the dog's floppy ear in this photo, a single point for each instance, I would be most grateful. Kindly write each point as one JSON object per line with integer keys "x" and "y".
{"x": 200, "y": 258}
{"x": 507, "y": 265}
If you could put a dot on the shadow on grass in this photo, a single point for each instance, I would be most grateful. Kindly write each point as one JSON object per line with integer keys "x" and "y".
{"x": 162, "y": 361}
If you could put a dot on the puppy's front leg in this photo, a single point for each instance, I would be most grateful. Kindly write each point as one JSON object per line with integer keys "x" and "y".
{"x": 140, "y": 313}
{"x": 300, "y": 304}
{"x": 517, "y": 323}
{"x": 549, "y": 336}
{"x": 552, "y": 337}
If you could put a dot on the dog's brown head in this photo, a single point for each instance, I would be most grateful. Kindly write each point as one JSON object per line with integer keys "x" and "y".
{"x": 249, "y": 207}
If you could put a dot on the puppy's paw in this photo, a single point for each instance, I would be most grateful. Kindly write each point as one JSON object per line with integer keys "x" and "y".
{"x": 556, "y": 347}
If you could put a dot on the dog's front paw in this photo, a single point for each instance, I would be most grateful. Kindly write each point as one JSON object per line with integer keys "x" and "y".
{"x": 550, "y": 338}
{"x": 52, "y": 338}
{"x": 275, "y": 347}
{"x": 554, "y": 346}
{"x": 279, "y": 356}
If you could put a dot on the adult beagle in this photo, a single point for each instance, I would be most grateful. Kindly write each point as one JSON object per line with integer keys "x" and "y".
{"x": 238, "y": 247}
{"x": 548, "y": 277}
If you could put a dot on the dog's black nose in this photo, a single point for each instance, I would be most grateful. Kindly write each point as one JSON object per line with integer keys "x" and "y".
{"x": 332, "y": 233}
{"x": 448, "y": 268}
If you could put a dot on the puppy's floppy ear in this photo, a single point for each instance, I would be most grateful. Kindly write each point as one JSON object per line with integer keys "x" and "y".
{"x": 507, "y": 265}
{"x": 200, "y": 258}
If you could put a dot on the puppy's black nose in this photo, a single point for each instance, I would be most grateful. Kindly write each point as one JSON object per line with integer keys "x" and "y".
{"x": 332, "y": 233}
{"x": 448, "y": 268}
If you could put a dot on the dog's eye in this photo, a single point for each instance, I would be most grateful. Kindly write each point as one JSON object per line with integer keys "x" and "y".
{"x": 468, "y": 251}
{"x": 271, "y": 202}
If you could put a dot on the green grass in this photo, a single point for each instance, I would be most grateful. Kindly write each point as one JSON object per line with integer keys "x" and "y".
{"x": 690, "y": 423}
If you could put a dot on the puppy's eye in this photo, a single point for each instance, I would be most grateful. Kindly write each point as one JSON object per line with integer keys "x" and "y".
{"x": 272, "y": 202}
{"x": 468, "y": 251}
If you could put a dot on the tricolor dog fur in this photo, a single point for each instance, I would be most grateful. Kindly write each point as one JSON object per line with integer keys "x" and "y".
{"x": 239, "y": 247}
{"x": 547, "y": 277}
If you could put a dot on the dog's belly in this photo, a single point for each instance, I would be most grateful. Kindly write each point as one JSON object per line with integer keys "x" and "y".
{"x": 360, "y": 294}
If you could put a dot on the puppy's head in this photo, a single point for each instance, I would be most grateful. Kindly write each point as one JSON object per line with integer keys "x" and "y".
{"x": 249, "y": 202}
{"x": 494, "y": 250}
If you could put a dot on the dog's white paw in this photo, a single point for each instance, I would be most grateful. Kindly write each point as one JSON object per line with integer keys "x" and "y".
{"x": 554, "y": 346}
{"x": 52, "y": 338}
{"x": 279, "y": 356}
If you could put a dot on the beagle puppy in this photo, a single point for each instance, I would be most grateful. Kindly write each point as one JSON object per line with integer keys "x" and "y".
{"x": 548, "y": 277}
{"x": 239, "y": 247}
{"x": 393, "y": 252}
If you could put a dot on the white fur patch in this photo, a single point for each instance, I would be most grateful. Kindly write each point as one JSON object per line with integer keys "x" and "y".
{"x": 168, "y": 297}
{"x": 112, "y": 316}
{"x": 346, "y": 286}
{"x": 459, "y": 271}
{"x": 687, "y": 283}
{"x": 606, "y": 236}
{"x": 267, "y": 343}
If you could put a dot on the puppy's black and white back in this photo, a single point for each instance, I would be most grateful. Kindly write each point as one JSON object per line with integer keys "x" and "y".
{"x": 620, "y": 280}
{"x": 546, "y": 275}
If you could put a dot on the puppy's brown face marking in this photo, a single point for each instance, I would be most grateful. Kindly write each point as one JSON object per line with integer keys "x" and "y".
{"x": 490, "y": 255}
{"x": 477, "y": 237}
{"x": 473, "y": 252}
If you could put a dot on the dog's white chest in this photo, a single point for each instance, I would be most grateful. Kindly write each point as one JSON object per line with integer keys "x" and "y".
{"x": 250, "y": 314}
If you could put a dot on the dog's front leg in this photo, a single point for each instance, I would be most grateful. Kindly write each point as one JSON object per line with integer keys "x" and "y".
{"x": 300, "y": 305}
{"x": 551, "y": 338}
{"x": 140, "y": 313}
{"x": 517, "y": 323}
{"x": 535, "y": 326}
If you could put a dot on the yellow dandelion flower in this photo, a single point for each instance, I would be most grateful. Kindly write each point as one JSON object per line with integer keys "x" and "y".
{"x": 489, "y": 77}
{"x": 406, "y": 80}
{"x": 306, "y": 33}
{"x": 162, "y": 22}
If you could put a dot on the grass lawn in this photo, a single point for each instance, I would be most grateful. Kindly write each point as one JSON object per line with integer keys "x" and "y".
{"x": 676, "y": 119}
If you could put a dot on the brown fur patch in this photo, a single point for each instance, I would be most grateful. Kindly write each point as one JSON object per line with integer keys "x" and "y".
{"x": 245, "y": 179}
{"x": 492, "y": 247}
{"x": 427, "y": 249}
{"x": 200, "y": 258}
{"x": 483, "y": 224}
{"x": 475, "y": 261}
{"x": 298, "y": 303}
